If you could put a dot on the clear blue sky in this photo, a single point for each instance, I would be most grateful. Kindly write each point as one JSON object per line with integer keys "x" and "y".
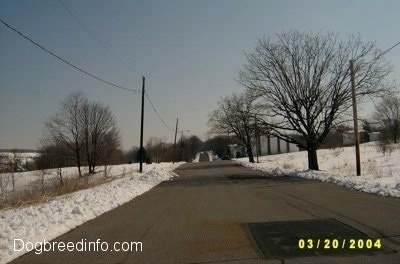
{"x": 189, "y": 51}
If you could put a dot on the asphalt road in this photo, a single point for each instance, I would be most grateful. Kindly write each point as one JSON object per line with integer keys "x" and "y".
{"x": 205, "y": 216}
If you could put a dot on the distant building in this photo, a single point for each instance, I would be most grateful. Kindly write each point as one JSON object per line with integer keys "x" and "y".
{"x": 237, "y": 151}
{"x": 348, "y": 137}
{"x": 374, "y": 136}
{"x": 270, "y": 145}
{"x": 267, "y": 145}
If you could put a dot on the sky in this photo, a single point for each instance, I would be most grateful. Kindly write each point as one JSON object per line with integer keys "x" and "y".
{"x": 190, "y": 52}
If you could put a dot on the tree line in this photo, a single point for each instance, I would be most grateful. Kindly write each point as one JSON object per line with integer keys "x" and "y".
{"x": 157, "y": 149}
{"x": 85, "y": 133}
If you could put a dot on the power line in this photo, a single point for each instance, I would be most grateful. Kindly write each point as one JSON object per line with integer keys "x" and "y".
{"x": 67, "y": 62}
{"x": 389, "y": 49}
{"x": 97, "y": 39}
{"x": 158, "y": 115}
{"x": 114, "y": 55}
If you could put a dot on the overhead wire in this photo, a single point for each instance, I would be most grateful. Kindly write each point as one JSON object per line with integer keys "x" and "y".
{"x": 96, "y": 38}
{"x": 156, "y": 112}
{"x": 66, "y": 61}
{"x": 115, "y": 56}
{"x": 389, "y": 49}
{"x": 85, "y": 71}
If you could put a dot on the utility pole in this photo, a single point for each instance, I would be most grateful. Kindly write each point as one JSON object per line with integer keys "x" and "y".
{"x": 176, "y": 131}
{"x": 355, "y": 118}
{"x": 181, "y": 148}
{"x": 141, "y": 128}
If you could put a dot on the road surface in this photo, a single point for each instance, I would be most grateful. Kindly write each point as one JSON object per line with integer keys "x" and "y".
{"x": 216, "y": 212}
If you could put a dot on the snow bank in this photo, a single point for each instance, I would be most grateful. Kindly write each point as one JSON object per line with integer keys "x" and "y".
{"x": 50, "y": 220}
{"x": 380, "y": 172}
{"x": 211, "y": 156}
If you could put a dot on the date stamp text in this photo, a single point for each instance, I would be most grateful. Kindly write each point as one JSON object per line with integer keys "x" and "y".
{"x": 339, "y": 243}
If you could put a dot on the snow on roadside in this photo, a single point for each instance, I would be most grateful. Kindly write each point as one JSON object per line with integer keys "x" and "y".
{"x": 380, "y": 171}
{"x": 211, "y": 156}
{"x": 50, "y": 220}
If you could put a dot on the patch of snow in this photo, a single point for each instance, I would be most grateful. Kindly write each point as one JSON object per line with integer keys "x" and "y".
{"x": 196, "y": 158}
{"x": 211, "y": 156}
{"x": 47, "y": 221}
{"x": 380, "y": 172}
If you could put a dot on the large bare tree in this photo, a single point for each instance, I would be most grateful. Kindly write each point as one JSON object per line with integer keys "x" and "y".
{"x": 87, "y": 129}
{"x": 99, "y": 133}
{"x": 235, "y": 115}
{"x": 64, "y": 128}
{"x": 303, "y": 80}
{"x": 387, "y": 113}
{"x": 156, "y": 147}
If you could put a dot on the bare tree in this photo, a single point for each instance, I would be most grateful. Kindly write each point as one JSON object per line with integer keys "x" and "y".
{"x": 15, "y": 165}
{"x": 303, "y": 80}
{"x": 189, "y": 147}
{"x": 130, "y": 155}
{"x": 15, "y": 161}
{"x": 86, "y": 129}
{"x": 156, "y": 149}
{"x": 219, "y": 144}
{"x": 193, "y": 146}
{"x": 3, "y": 162}
{"x": 99, "y": 131}
{"x": 235, "y": 114}
{"x": 4, "y": 182}
{"x": 11, "y": 161}
{"x": 64, "y": 127}
{"x": 109, "y": 147}
{"x": 387, "y": 113}
{"x": 53, "y": 156}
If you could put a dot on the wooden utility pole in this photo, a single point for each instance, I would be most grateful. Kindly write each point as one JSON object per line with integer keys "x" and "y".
{"x": 181, "y": 147}
{"x": 141, "y": 128}
{"x": 355, "y": 118}
{"x": 176, "y": 131}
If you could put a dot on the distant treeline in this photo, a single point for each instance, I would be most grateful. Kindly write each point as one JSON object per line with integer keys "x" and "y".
{"x": 19, "y": 150}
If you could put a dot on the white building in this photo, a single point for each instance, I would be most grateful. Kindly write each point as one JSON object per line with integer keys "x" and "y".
{"x": 348, "y": 137}
{"x": 237, "y": 151}
{"x": 270, "y": 145}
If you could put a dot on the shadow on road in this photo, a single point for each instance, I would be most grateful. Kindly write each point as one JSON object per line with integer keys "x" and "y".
{"x": 209, "y": 173}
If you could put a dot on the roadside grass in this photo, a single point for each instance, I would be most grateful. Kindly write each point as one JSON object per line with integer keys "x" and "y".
{"x": 48, "y": 193}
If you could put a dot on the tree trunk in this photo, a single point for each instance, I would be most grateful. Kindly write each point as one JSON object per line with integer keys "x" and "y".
{"x": 394, "y": 136}
{"x": 78, "y": 161}
{"x": 59, "y": 172}
{"x": 250, "y": 153}
{"x": 312, "y": 157}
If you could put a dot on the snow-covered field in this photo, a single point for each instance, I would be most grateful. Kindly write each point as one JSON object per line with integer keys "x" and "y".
{"x": 52, "y": 219}
{"x": 380, "y": 172}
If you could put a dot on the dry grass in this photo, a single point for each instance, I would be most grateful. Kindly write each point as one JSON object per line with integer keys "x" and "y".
{"x": 69, "y": 186}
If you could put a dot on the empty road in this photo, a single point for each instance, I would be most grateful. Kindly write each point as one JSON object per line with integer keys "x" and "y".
{"x": 220, "y": 212}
